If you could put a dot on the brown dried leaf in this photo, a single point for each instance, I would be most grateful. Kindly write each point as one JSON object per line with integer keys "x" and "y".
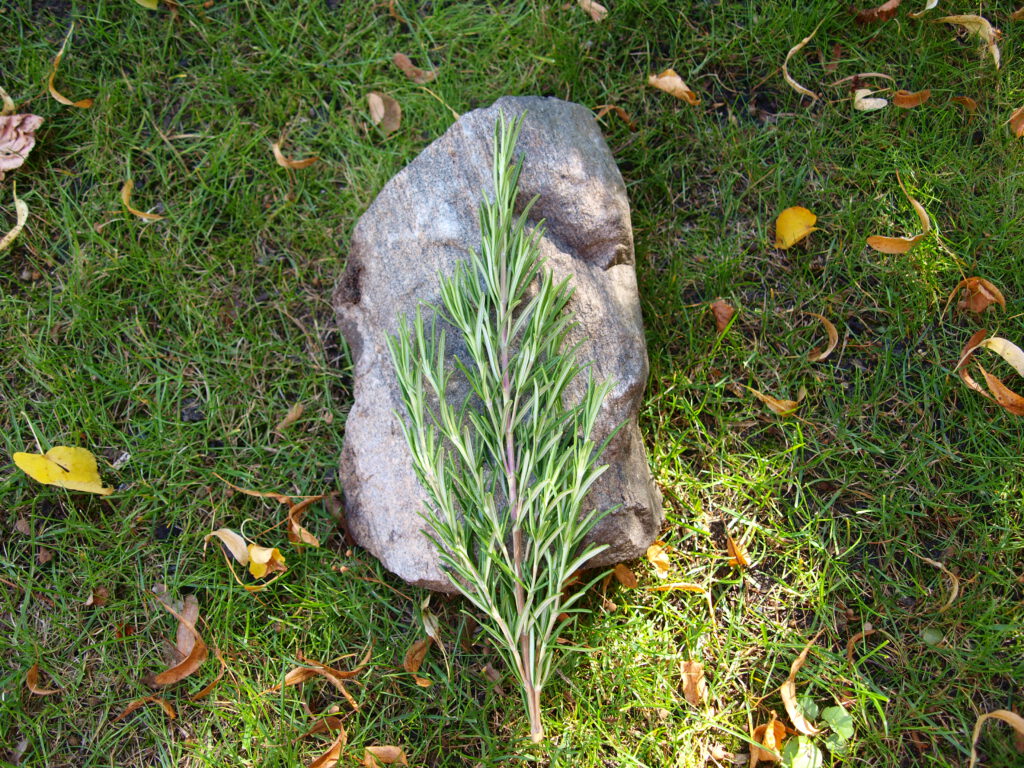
{"x": 32, "y": 683}
{"x": 979, "y": 295}
{"x": 293, "y": 415}
{"x": 965, "y": 357}
{"x": 21, "y": 213}
{"x": 126, "y": 193}
{"x": 851, "y": 644}
{"x": 17, "y": 137}
{"x": 410, "y": 70}
{"x": 286, "y": 162}
{"x": 1017, "y": 15}
{"x": 1003, "y": 395}
{"x": 414, "y": 659}
{"x": 1016, "y": 124}
{"x": 907, "y": 100}
{"x": 695, "y": 688}
{"x": 723, "y": 313}
{"x": 771, "y": 736}
{"x": 43, "y": 556}
{"x": 385, "y": 112}
{"x": 208, "y": 689}
{"x": 967, "y": 103}
{"x": 785, "y": 67}
{"x": 788, "y": 692}
{"x": 954, "y": 581}
{"x": 1012, "y": 719}
{"x": 903, "y": 244}
{"x": 387, "y": 755}
{"x": 980, "y": 26}
{"x": 604, "y": 109}
{"x": 657, "y": 556}
{"x": 780, "y": 407}
{"x": 259, "y": 494}
{"x": 84, "y": 103}
{"x": 185, "y": 639}
{"x": 139, "y": 703}
{"x": 330, "y": 757}
{"x": 596, "y": 10}
{"x": 98, "y": 597}
{"x": 194, "y": 660}
{"x": 884, "y": 12}
{"x": 737, "y": 554}
{"x": 669, "y": 82}
{"x": 296, "y": 532}
{"x": 816, "y": 355}
{"x": 625, "y": 576}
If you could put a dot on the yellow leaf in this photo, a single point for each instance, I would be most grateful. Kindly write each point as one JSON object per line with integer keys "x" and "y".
{"x": 387, "y": 755}
{"x": 151, "y": 5}
{"x": 816, "y": 355}
{"x": 126, "y": 194}
{"x": 1012, "y": 719}
{"x": 410, "y": 70}
{"x": 1007, "y": 350}
{"x": 695, "y": 689}
{"x": 657, "y": 555}
{"x": 385, "y": 112}
{"x": 980, "y": 26}
{"x": 21, "y": 212}
{"x": 234, "y": 542}
{"x": 84, "y": 103}
{"x": 907, "y": 100}
{"x": 863, "y": 102}
{"x": 793, "y": 225}
{"x": 264, "y": 560}
{"x": 65, "y": 467}
{"x": 737, "y": 554}
{"x": 785, "y": 67}
{"x": 596, "y": 10}
{"x": 771, "y": 736}
{"x": 780, "y": 407}
{"x": 788, "y": 693}
{"x": 286, "y": 162}
{"x": 669, "y": 82}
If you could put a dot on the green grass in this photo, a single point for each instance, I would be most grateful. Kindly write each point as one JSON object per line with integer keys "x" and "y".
{"x": 110, "y": 327}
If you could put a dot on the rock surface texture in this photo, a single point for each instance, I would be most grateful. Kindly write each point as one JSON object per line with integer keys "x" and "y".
{"x": 420, "y": 225}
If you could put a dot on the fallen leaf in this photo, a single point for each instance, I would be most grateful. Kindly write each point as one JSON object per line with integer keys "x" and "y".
{"x": 264, "y": 560}
{"x": 286, "y": 162}
{"x": 21, "y": 525}
{"x": 780, "y": 407}
{"x": 98, "y": 597}
{"x": 965, "y": 357}
{"x": 967, "y": 103}
{"x": 723, "y": 313}
{"x": 17, "y": 137}
{"x": 21, "y": 213}
{"x": 234, "y": 542}
{"x": 868, "y": 631}
{"x": 596, "y": 10}
{"x": 126, "y": 194}
{"x": 785, "y": 67}
{"x": 980, "y": 26}
{"x": 43, "y": 556}
{"x": 907, "y": 100}
{"x": 411, "y": 71}
{"x": 258, "y": 494}
{"x": 771, "y": 736}
{"x": 737, "y": 554}
{"x": 816, "y": 355}
{"x": 884, "y": 12}
{"x": 185, "y": 638}
{"x": 657, "y": 556}
{"x": 928, "y": 6}
{"x": 863, "y": 101}
{"x": 979, "y": 295}
{"x": 387, "y": 755}
{"x": 7, "y": 102}
{"x": 788, "y": 692}
{"x": 65, "y": 467}
{"x": 32, "y": 683}
{"x": 695, "y": 688}
{"x": 335, "y": 677}
{"x": 151, "y": 5}
{"x": 195, "y": 658}
{"x": 604, "y": 109}
{"x": 208, "y": 689}
{"x": 625, "y": 576}
{"x": 1016, "y": 122}
{"x": 793, "y": 225}
{"x": 330, "y": 757}
{"x": 1007, "y": 350}
{"x": 903, "y": 244}
{"x": 1003, "y": 395}
{"x": 1012, "y": 719}
{"x": 669, "y": 82}
{"x": 293, "y": 415}
{"x": 414, "y": 659}
{"x": 1017, "y": 15}
{"x": 84, "y": 103}
{"x": 385, "y": 112}
{"x": 139, "y": 703}
{"x": 954, "y": 582}
{"x": 296, "y": 532}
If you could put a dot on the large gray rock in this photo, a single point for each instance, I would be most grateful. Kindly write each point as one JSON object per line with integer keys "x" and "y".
{"x": 420, "y": 225}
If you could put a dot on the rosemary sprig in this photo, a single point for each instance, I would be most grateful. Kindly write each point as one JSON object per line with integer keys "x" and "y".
{"x": 506, "y": 470}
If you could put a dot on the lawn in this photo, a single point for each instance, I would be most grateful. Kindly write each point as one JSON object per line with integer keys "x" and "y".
{"x": 172, "y": 348}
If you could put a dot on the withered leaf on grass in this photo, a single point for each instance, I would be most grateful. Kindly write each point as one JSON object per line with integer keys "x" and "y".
{"x": 669, "y": 82}
{"x": 1016, "y": 122}
{"x": 330, "y": 757}
{"x": 928, "y": 6}
{"x": 884, "y": 12}
{"x": 623, "y": 115}
{"x": 979, "y": 295}
{"x": 851, "y": 644}
{"x": 385, "y": 112}
{"x": 596, "y": 11}
{"x": 17, "y": 137}
{"x": 818, "y": 354}
{"x": 625, "y": 576}
{"x": 785, "y": 67}
{"x": 410, "y": 70}
{"x": 723, "y": 312}
{"x": 967, "y": 103}
{"x": 777, "y": 406}
{"x": 1003, "y": 395}
{"x": 793, "y": 225}
{"x": 737, "y": 553}
{"x": 32, "y": 683}
{"x": 185, "y": 638}
{"x": 64, "y": 466}
{"x": 21, "y": 216}
{"x": 657, "y": 556}
{"x": 387, "y": 755}
{"x": 84, "y": 103}
{"x": 981, "y": 27}
{"x": 907, "y": 100}
{"x": 191, "y": 663}
{"x": 893, "y": 245}
{"x": 1011, "y": 353}
{"x": 695, "y": 688}
{"x": 293, "y": 415}
{"x": 414, "y": 660}
{"x": 297, "y": 534}
{"x": 954, "y": 582}
{"x": 771, "y": 736}
{"x": 264, "y": 560}
{"x": 126, "y": 194}
{"x": 139, "y": 703}
{"x": 1012, "y": 719}
{"x": 788, "y": 692}
{"x": 863, "y": 101}
{"x": 287, "y": 162}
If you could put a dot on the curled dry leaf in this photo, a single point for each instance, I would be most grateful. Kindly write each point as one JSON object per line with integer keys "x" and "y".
{"x": 965, "y": 357}
{"x": 1003, "y": 395}
{"x": 330, "y": 757}
{"x": 851, "y": 644}
{"x": 884, "y": 12}
{"x": 894, "y": 245}
{"x": 32, "y": 683}
{"x": 596, "y": 10}
{"x": 954, "y": 582}
{"x": 737, "y": 553}
{"x": 979, "y": 26}
{"x": 293, "y": 415}
{"x": 297, "y": 534}
{"x": 685, "y": 586}
{"x": 864, "y": 102}
{"x": 410, "y": 70}
{"x": 1007, "y": 350}
{"x": 264, "y": 560}
{"x": 1012, "y": 719}
{"x": 1017, "y": 15}
{"x": 65, "y": 467}
{"x": 98, "y": 597}
{"x": 818, "y": 354}
{"x": 194, "y": 660}
{"x": 84, "y": 103}
{"x": 780, "y": 407}
{"x": 1016, "y": 122}
{"x": 21, "y": 216}
{"x": 907, "y": 100}
{"x": 208, "y": 689}
{"x": 928, "y": 6}
{"x": 657, "y": 556}
{"x": 387, "y": 755}
{"x": 1011, "y": 353}
{"x": 623, "y": 115}
{"x": 234, "y": 543}
{"x": 259, "y": 494}
{"x": 625, "y": 576}
{"x": 669, "y": 82}
{"x": 139, "y": 703}
{"x": 126, "y": 194}
{"x": 695, "y": 688}
{"x": 967, "y": 103}
{"x": 723, "y": 312}
{"x": 788, "y": 692}
{"x": 793, "y": 225}
{"x": 414, "y": 660}
{"x": 185, "y": 639}
{"x": 17, "y": 137}
{"x": 771, "y": 736}
{"x": 385, "y": 112}
{"x": 785, "y": 67}
{"x": 979, "y": 295}
{"x": 286, "y": 162}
